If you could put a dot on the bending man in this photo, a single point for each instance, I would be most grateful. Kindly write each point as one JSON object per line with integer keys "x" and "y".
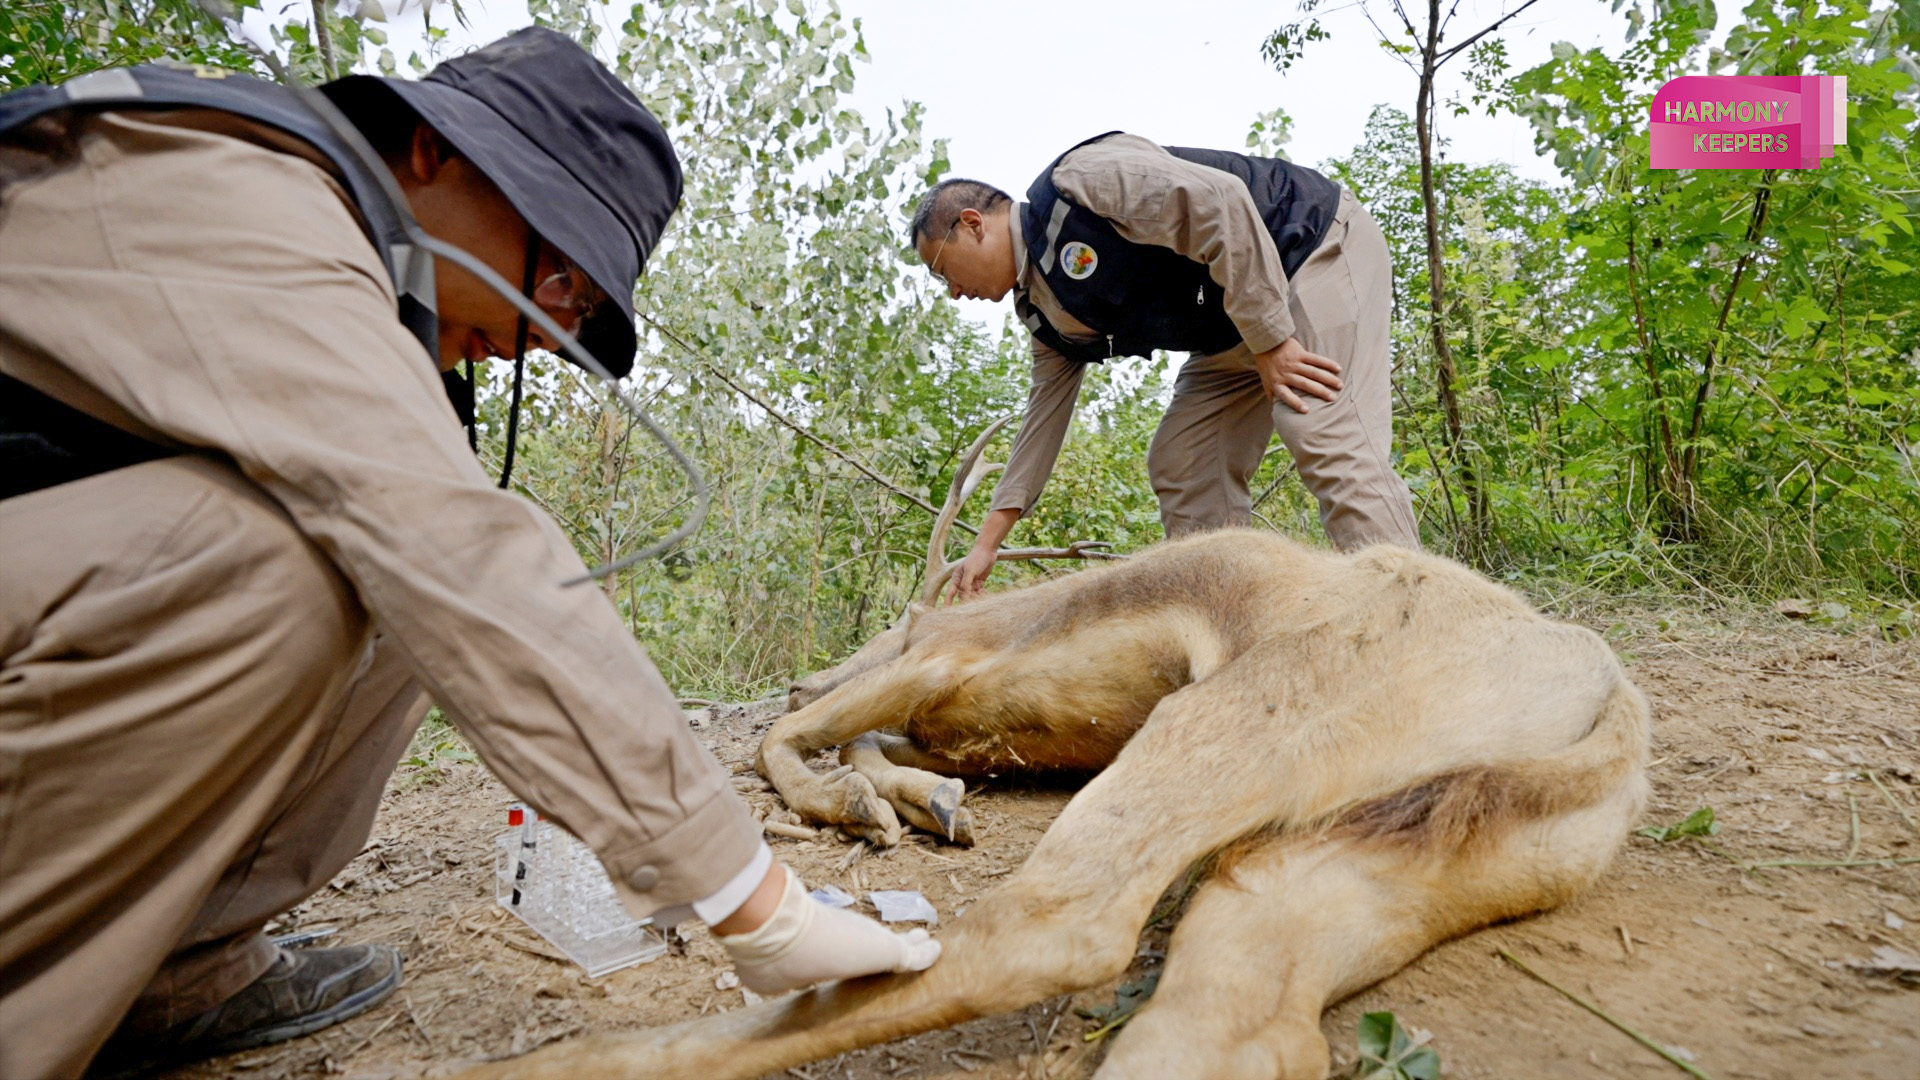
{"x": 1272, "y": 276}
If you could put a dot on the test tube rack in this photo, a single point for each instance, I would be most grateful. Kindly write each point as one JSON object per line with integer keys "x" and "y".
{"x": 556, "y": 885}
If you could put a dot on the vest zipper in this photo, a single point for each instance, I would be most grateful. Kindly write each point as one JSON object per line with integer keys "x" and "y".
{"x": 1109, "y": 346}
{"x": 1200, "y": 296}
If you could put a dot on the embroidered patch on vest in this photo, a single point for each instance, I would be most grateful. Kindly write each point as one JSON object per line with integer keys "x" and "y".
{"x": 1078, "y": 260}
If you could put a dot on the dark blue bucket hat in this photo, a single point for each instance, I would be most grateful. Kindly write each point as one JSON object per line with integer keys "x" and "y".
{"x": 573, "y": 150}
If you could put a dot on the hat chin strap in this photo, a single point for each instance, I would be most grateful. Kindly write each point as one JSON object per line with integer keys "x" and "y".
{"x": 520, "y": 332}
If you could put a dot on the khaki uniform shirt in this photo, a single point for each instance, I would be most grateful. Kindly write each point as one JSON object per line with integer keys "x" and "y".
{"x": 255, "y": 323}
{"x": 1151, "y": 197}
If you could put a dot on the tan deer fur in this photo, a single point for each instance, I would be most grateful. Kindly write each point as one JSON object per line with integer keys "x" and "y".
{"x": 1377, "y": 751}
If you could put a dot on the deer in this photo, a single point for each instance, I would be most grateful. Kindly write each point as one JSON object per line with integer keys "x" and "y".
{"x": 1366, "y": 754}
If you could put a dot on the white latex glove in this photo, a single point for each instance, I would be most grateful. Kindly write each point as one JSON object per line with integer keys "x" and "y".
{"x": 807, "y": 942}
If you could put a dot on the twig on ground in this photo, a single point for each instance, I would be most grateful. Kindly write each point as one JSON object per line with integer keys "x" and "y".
{"x": 1626, "y": 940}
{"x": 1853, "y": 811}
{"x": 1108, "y": 1028}
{"x": 1717, "y": 851}
{"x": 960, "y": 1058}
{"x": 1833, "y": 862}
{"x": 415, "y": 1017}
{"x": 1897, "y": 808}
{"x": 1682, "y": 1063}
{"x": 791, "y": 832}
{"x": 1768, "y": 864}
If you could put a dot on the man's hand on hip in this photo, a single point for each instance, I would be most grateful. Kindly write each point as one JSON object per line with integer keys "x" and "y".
{"x": 1290, "y": 367}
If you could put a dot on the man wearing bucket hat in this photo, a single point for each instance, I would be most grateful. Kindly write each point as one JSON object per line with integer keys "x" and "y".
{"x": 246, "y": 543}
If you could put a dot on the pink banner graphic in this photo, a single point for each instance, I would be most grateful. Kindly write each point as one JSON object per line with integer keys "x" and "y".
{"x": 1748, "y": 121}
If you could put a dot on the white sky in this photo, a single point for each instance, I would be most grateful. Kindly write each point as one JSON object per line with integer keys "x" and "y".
{"x": 1012, "y": 83}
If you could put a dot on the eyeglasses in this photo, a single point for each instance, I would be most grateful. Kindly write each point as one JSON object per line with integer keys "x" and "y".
{"x": 933, "y": 264}
{"x": 569, "y": 291}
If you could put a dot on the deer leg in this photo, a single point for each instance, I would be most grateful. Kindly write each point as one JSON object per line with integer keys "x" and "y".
{"x": 1254, "y": 960}
{"x": 875, "y": 699}
{"x": 904, "y": 751}
{"x": 1304, "y": 921}
{"x": 927, "y": 800}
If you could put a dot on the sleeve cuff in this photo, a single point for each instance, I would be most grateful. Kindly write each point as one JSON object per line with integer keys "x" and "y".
{"x": 721, "y": 904}
{"x": 1268, "y": 334}
{"x": 1011, "y": 499}
{"x": 692, "y": 862}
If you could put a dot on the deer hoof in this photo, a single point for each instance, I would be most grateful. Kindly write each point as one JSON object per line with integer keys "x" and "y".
{"x": 865, "y": 814}
{"x": 944, "y": 804}
{"x": 962, "y": 831}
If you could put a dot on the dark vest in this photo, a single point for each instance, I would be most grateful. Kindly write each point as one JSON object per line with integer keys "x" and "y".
{"x": 1142, "y": 297}
{"x": 44, "y": 442}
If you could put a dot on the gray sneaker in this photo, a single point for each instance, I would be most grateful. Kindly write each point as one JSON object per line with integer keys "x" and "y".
{"x": 305, "y": 990}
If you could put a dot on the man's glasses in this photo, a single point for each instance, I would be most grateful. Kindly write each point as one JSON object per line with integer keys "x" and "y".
{"x": 570, "y": 292}
{"x": 933, "y": 264}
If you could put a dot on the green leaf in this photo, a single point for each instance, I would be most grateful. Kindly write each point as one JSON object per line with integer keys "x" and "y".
{"x": 1698, "y": 823}
{"x": 1389, "y": 1052}
{"x": 1802, "y": 312}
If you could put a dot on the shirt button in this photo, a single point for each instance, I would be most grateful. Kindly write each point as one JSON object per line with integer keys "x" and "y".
{"x": 644, "y": 878}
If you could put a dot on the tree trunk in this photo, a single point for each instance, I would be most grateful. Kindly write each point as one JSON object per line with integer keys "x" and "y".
{"x": 1686, "y": 501}
{"x": 1446, "y": 371}
{"x": 1664, "y": 494}
{"x": 323, "y": 42}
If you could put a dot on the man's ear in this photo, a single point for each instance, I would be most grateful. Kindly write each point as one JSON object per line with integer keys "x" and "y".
{"x": 972, "y": 222}
{"x": 428, "y": 154}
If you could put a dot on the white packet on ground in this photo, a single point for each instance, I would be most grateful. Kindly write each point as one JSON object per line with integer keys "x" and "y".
{"x": 832, "y": 896}
{"x": 904, "y": 906}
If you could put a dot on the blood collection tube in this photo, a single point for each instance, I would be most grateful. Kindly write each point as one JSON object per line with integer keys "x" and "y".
{"x": 517, "y": 817}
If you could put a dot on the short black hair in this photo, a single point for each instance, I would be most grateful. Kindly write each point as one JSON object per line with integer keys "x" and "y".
{"x": 387, "y": 121}
{"x": 941, "y": 207}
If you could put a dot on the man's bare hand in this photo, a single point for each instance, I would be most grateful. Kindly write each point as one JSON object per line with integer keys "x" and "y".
{"x": 1290, "y": 367}
{"x": 970, "y": 575}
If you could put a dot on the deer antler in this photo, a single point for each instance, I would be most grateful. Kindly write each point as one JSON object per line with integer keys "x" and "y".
{"x": 966, "y": 478}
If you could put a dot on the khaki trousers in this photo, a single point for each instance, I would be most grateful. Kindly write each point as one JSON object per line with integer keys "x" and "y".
{"x": 1220, "y": 421}
{"x": 196, "y": 725}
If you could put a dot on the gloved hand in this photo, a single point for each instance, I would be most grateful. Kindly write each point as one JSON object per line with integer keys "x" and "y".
{"x": 807, "y": 942}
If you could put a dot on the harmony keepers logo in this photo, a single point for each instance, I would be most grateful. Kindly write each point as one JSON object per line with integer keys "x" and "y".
{"x": 1748, "y": 122}
{"x": 1079, "y": 261}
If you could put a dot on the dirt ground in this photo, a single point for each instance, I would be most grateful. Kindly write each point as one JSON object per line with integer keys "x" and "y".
{"x": 1783, "y": 973}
